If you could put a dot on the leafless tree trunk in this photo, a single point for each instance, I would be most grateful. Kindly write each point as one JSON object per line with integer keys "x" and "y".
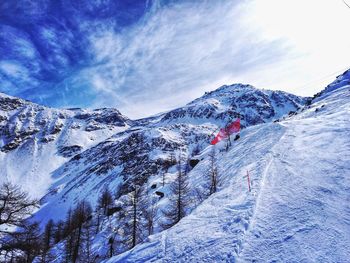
{"x": 179, "y": 190}
{"x": 213, "y": 172}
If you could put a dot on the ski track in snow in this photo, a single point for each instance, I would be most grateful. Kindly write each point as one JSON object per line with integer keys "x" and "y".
{"x": 303, "y": 214}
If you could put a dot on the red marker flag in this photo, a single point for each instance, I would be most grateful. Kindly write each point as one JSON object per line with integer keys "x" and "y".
{"x": 225, "y": 132}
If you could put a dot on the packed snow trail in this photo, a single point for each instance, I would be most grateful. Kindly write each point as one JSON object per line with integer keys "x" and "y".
{"x": 303, "y": 213}
{"x": 299, "y": 207}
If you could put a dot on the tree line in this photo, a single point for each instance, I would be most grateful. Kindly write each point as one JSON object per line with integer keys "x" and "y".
{"x": 137, "y": 218}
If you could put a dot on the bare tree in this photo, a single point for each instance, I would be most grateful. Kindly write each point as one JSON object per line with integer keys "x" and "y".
{"x": 172, "y": 158}
{"x": 135, "y": 216}
{"x": 15, "y": 205}
{"x": 149, "y": 212}
{"x": 47, "y": 241}
{"x": 24, "y": 244}
{"x": 58, "y": 232}
{"x": 74, "y": 229}
{"x": 105, "y": 200}
{"x": 213, "y": 171}
{"x": 179, "y": 201}
{"x": 81, "y": 214}
{"x": 87, "y": 233}
{"x": 111, "y": 245}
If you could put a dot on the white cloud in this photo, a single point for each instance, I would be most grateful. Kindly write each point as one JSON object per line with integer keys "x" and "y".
{"x": 176, "y": 53}
{"x": 317, "y": 33}
{"x": 182, "y": 50}
{"x": 11, "y": 68}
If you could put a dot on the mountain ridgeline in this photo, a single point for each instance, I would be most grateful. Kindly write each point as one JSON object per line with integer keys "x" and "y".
{"x": 65, "y": 157}
{"x": 45, "y": 140}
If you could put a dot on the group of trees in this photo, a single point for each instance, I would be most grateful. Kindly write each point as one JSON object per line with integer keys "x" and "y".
{"x": 22, "y": 240}
{"x": 137, "y": 218}
{"x": 141, "y": 214}
{"x": 180, "y": 198}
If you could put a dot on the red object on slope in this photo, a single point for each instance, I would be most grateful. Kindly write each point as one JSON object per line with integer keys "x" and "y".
{"x": 234, "y": 127}
{"x": 225, "y": 132}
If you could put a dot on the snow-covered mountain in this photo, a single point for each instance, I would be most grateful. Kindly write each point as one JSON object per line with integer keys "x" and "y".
{"x": 65, "y": 156}
{"x": 228, "y": 102}
{"x": 142, "y": 150}
{"x": 36, "y": 140}
{"x": 298, "y": 209}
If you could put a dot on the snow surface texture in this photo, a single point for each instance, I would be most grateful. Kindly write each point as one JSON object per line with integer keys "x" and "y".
{"x": 299, "y": 206}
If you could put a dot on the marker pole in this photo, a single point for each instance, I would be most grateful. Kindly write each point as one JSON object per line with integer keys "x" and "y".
{"x": 248, "y": 178}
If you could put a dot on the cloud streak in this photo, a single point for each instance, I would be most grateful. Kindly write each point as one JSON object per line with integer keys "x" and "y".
{"x": 180, "y": 51}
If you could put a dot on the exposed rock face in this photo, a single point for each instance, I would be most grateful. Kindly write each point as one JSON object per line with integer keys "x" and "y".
{"x": 69, "y": 151}
{"x": 141, "y": 150}
{"x": 253, "y": 106}
{"x": 22, "y": 120}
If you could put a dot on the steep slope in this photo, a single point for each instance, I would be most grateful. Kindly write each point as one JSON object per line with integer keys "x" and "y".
{"x": 76, "y": 153}
{"x": 143, "y": 150}
{"x": 298, "y": 209}
{"x": 303, "y": 211}
{"x": 36, "y": 140}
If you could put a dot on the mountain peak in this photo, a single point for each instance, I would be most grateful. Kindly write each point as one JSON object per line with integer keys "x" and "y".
{"x": 228, "y": 102}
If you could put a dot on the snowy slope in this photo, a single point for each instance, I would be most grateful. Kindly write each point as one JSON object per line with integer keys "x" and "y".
{"x": 143, "y": 149}
{"x": 36, "y": 140}
{"x": 72, "y": 155}
{"x": 299, "y": 207}
{"x": 303, "y": 211}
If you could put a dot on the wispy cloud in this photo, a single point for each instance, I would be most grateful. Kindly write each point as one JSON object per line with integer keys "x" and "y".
{"x": 144, "y": 57}
{"x": 180, "y": 51}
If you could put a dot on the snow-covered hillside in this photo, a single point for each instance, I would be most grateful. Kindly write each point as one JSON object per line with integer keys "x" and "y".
{"x": 143, "y": 149}
{"x": 66, "y": 156}
{"x": 299, "y": 206}
{"x": 36, "y": 140}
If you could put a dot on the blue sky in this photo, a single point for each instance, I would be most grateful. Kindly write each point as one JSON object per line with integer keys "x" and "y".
{"x": 144, "y": 56}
